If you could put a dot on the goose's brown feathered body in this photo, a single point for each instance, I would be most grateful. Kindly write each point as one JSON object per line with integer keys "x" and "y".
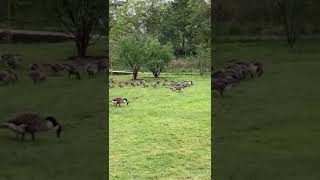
{"x": 34, "y": 121}
{"x": 37, "y": 76}
{"x": 31, "y": 122}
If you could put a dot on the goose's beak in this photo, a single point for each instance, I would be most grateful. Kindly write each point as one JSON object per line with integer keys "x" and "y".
{"x": 59, "y": 131}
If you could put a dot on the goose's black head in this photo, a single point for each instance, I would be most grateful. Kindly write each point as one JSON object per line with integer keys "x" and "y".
{"x": 53, "y": 120}
{"x": 126, "y": 100}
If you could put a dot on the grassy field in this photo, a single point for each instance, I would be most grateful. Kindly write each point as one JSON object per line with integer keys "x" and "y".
{"x": 80, "y": 106}
{"x": 161, "y": 134}
{"x": 268, "y": 128}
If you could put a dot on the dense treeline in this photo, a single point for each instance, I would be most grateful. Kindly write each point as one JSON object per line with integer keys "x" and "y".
{"x": 29, "y": 14}
{"x": 149, "y": 35}
{"x": 266, "y": 17}
{"x": 171, "y": 35}
{"x": 183, "y": 23}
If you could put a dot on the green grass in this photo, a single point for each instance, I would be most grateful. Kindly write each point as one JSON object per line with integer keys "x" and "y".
{"x": 161, "y": 134}
{"x": 80, "y": 106}
{"x": 268, "y": 128}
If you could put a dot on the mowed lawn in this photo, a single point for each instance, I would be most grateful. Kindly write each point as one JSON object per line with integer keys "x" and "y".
{"x": 80, "y": 106}
{"x": 269, "y": 128}
{"x": 161, "y": 134}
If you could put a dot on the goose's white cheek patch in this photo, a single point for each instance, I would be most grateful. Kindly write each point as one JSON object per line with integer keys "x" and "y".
{"x": 49, "y": 125}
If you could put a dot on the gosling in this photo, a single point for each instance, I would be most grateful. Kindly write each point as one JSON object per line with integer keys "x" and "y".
{"x": 31, "y": 122}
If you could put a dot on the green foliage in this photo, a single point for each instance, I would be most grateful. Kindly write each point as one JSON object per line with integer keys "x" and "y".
{"x": 132, "y": 52}
{"x": 158, "y": 56}
{"x": 183, "y": 23}
{"x": 203, "y": 59}
{"x": 186, "y": 24}
{"x": 127, "y": 18}
{"x": 137, "y": 52}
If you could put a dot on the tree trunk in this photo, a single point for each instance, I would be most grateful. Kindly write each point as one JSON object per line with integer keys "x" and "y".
{"x": 81, "y": 50}
{"x": 288, "y": 10}
{"x": 135, "y": 74}
{"x": 156, "y": 74}
{"x": 82, "y": 43}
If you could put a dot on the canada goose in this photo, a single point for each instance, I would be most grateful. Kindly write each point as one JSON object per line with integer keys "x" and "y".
{"x": 111, "y": 85}
{"x": 119, "y": 101}
{"x": 72, "y": 70}
{"x": 31, "y": 122}
{"x": 91, "y": 69}
{"x": 4, "y": 77}
{"x": 13, "y": 77}
{"x": 219, "y": 85}
{"x": 145, "y": 85}
{"x": 8, "y": 76}
{"x": 188, "y": 82}
{"x": 56, "y": 68}
{"x": 53, "y": 68}
{"x": 37, "y": 76}
{"x": 34, "y": 67}
{"x": 101, "y": 66}
{"x": 259, "y": 69}
{"x": 177, "y": 88}
{"x": 173, "y": 83}
{"x": 12, "y": 60}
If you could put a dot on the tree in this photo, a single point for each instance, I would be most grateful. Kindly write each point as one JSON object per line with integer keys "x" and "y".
{"x": 203, "y": 59}
{"x": 81, "y": 18}
{"x": 291, "y": 15}
{"x": 132, "y": 52}
{"x": 185, "y": 23}
{"x": 127, "y": 17}
{"x": 158, "y": 56}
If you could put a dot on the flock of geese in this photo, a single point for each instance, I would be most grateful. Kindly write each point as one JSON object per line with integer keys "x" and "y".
{"x": 170, "y": 84}
{"x": 39, "y": 72}
{"x": 233, "y": 73}
{"x": 33, "y": 122}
